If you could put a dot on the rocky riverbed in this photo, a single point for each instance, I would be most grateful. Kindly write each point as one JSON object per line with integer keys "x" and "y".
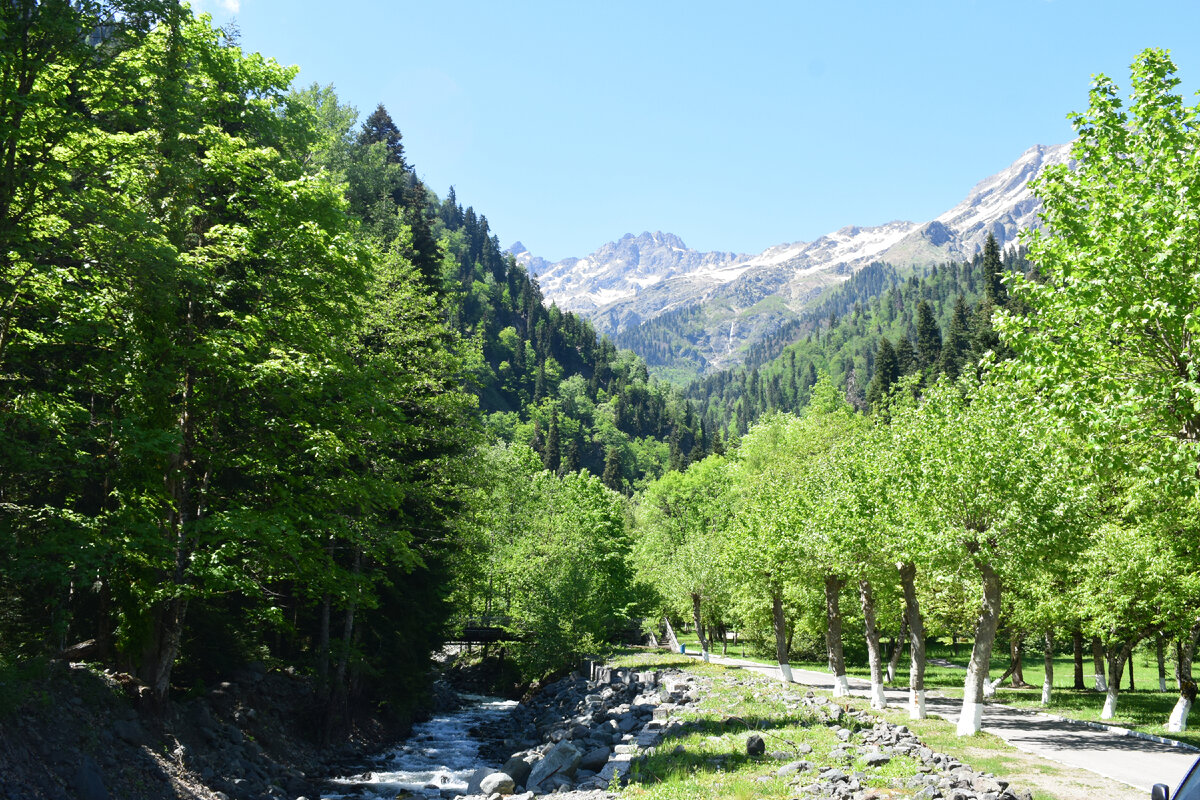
{"x": 586, "y": 735}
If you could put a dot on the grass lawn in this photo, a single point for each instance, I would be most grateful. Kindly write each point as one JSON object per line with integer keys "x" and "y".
{"x": 713, "y": 762}
{"x": 1146, "y": 709}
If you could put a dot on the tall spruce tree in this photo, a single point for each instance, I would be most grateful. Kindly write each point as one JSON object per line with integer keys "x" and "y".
{"x": 887, "y": 372}
{"x": 379, "y": 127}
{"x": 993, "y": 272}
{"x": 956, "y": 350}
{"x": 929, "y": 338}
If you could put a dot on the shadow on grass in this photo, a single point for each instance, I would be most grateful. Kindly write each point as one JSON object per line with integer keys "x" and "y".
{"x": 666, "y": 761}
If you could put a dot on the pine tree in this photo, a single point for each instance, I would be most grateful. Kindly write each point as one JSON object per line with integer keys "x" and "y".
{"x": 956, "y": 351}
{"x": 906, "y": 356}
{"x": 887, "y": 372}
{"x": 993, "y": 271}
{"x": 379, "y": 127}
{"x": 612, "y": 470}
{"x": 929, "y": 338}
{"x": 551, "y": 458}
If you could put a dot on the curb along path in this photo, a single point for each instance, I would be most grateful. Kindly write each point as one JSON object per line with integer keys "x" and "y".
{"x": 1116, "y": 753}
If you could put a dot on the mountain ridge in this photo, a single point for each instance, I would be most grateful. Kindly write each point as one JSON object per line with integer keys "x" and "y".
{"x": 636, "y": 279}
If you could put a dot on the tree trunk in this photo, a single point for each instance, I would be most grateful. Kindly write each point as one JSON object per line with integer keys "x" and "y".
{"x": 323, "y": 642}
{"x": 1131, "y": 686}
{"x": 1048, "y": 682}
{"x": 1184, "y": 653}
{"x": 158, "y": 658}
{"x": 699, "y": 626}
{"x": 897, "y": 649}
{"x": 1016, "y": 654}
{"x": 971, "y": 718}
{"x": 724, "y": 639}
{"x": 916, "y": 642}
{"x": 1098, "y": 660}
{"x": 1077, "y": 644}
{"x": 672, "y": 641}
{"x": 833, "y": 635}
{"x": 1162, "y": 661}
{"x": 781, "y": 643}
{"x": 1116, "y": 665}
{"x": 874, "y": 656}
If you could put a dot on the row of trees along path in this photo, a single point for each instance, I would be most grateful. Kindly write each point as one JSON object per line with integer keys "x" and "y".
{"x": 1052, "y": 488}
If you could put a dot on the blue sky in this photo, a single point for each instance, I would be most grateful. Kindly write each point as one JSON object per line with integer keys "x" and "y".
{"x": 569, "y": 124}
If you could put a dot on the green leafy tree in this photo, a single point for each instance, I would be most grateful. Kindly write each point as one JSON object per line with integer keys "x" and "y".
{"x": 1110, "y": 334}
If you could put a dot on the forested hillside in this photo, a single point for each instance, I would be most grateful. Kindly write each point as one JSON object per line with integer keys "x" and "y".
{"x": 929, "y": 321}
{"x": 250, "y": 367}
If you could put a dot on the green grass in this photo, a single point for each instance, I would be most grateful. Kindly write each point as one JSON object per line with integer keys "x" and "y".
{"x": 713, "y": 763}
{"x": 1146, "y": 709}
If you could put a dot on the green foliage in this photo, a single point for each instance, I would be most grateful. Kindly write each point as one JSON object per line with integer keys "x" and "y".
{"x": 1109, "y": 334}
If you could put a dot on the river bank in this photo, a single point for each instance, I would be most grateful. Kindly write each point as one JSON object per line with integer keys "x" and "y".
{"x": 79, "y": 731}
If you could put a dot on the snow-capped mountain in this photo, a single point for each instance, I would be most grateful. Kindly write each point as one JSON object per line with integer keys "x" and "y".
{"x": 633, "y": 280}
{"x": 621, "y": 269}
{"x": 1001, "y": 204}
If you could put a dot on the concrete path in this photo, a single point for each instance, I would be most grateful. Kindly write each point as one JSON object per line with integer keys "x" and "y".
{"x": 1127, "y": 759}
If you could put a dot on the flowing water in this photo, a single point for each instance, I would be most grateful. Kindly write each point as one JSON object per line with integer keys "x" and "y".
{"x": 438, "y": 756}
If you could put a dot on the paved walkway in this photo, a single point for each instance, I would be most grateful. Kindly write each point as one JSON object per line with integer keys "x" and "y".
{"x": 1127, "y": 759}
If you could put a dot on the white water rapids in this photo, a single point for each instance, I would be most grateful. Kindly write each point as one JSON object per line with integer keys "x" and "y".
{"x": 438, "y": 756}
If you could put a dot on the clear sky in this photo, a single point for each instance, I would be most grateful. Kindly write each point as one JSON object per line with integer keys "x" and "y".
{"x": 735, "y": 126}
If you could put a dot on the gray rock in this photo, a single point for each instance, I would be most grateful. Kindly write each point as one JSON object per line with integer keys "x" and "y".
{"x": 876, "y": 759}
{"x": 755, "y": 746}
{"x": 843, "y": 734}
{"x": 562, "y": 759}
{"x": 518, "y": 768}
{"x": 129, "y": 731}
{"x": 88, "y": 782}
{"x": 834, "y": 776}
{"x": 779, "y": 755}
{"x": 497, "y": 782}
{"x": 804, "y": 749}
{"x": 595, "y": 759}
{"x": 793, "y": 768}
{"x": 475, "y": 782}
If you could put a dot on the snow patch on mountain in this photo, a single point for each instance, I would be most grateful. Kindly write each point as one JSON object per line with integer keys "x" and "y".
{"x": 640, "y": 277}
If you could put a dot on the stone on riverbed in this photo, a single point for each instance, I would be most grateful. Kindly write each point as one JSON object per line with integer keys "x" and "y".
{"x": 562, "y": 760}
{"x": 497, "y": 782}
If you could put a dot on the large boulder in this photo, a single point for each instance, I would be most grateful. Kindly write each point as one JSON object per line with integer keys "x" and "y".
{"x": 497, "y": 782}
{"x": 475, "y": 782}
{"x": 562, "y": 759}
{"x": 518, "y": 767}
{"x": 595, "y": 759}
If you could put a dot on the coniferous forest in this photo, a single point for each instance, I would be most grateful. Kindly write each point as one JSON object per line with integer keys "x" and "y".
{"x": 265, "y": 397}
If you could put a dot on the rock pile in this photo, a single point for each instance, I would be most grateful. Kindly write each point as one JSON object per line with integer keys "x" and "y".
{"x": 584, "y": 733}
{"x": 865, "y": 743}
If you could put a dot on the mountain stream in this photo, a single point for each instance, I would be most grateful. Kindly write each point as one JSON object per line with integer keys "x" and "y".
{"x": 436, "y": 760}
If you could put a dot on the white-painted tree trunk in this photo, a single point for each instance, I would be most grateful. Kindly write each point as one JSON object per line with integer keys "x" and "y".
{"x": 1101, "y": 684}
{"x": 1179, "y": 715}
{"x": 916, "y": 633}
{"x": 916, "y": 704}
{"x": 1048, "y": 666}
{"x": 970, "y": 722}
{"x": 1110, "y": 704}
{"x": 785, "y": 673}
{"x": 874, "y": 653}
{"x": 841, "y": 686}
